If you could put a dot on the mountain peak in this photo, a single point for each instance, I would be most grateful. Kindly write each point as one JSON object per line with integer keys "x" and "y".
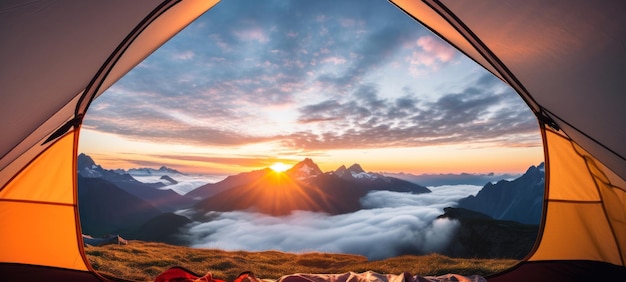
{"x": 87, "y": 167}
{"x": 356, "y": 168}
{"x": 340, "y": 171}
{"x": 304, "y": 169}
{"x": 84, "y": 160}
{"x": 519, "y": 199}
{"x": 542, "y": 167}
{"x": 169, "y": 170}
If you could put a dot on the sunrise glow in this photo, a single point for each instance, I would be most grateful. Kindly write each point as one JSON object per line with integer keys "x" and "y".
{"x": 279, "y": 167}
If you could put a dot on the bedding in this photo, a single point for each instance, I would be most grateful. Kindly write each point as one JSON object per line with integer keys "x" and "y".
{"x": 179, "y": 274}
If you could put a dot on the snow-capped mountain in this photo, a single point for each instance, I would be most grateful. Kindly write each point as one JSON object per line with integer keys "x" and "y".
{"x": 87, "y": 168}
{"x": 355, "y": 171}
{"x": 144, "y": 171}
{"x": 152, "y": 192}
{"x": 304, "y": 170}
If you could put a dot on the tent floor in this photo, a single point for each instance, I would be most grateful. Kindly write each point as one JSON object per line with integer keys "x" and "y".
{"x": 562, "y": 270}
{"x": 28, "y": 272}
{"x": 527, "y": 271}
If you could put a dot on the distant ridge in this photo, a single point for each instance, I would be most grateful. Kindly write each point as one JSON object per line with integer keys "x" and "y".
{"x": 519, "y": 200}
{"x": 144, "y": 171}
{"x": 453, "y": 179}
{"x": 165, "y": 200}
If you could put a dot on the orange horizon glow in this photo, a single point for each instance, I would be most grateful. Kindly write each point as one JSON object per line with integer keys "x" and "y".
{"x": 442, "y": 166}
{"x": 115, "y": 152}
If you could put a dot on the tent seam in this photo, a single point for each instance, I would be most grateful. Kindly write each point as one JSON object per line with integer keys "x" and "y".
{"x": 588, "y": 160}
{"x": 36, "y": 128}
{"x": 90, "y": 93}
{"x": 546, "y": 190}
{"x": 574, "y": 201}
{"x": 36, "y": 202}
{"x": 102, "y": 74}
{"x": 495, "y": 62}
{"x": 585, "y": 134}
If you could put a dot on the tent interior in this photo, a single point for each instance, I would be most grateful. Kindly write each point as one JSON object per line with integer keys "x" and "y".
{"x": 565, "y": 59}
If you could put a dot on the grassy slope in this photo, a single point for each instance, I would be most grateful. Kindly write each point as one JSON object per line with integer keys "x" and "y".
{"x": 142, "y": 261}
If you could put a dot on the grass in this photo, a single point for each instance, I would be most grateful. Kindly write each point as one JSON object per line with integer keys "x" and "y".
{"x": 143, "y": 261}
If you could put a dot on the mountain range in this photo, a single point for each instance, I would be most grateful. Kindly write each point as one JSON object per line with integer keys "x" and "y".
{"x": 165, "y": 200}
{"x": 304, "y": 187}
{"x": 145, "y": 171}
{"x": 518, "y": 200}
{"x": 452, "y": 178}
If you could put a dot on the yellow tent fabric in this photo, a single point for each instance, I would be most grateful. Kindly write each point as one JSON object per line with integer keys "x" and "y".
{"x": 571, "y": 76}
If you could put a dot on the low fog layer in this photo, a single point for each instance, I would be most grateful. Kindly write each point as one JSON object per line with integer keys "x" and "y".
{"x": 186, "y": 182}
{"x": 392, "y": 224}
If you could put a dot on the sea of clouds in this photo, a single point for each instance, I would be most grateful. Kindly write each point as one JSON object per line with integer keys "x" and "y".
{"x": 186, "y": 182}
{"x": 390, "y": 224}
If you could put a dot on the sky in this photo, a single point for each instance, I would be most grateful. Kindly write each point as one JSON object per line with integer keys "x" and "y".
{"x": 251, "y": 83}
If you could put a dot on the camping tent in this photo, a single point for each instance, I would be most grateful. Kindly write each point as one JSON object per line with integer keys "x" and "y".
{"x": 566, "y": 60}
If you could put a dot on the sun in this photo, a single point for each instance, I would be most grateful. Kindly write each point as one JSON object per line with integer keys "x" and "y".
{"x": 279, "y": 167}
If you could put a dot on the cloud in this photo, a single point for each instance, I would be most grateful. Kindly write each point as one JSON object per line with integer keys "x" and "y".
{"x": 393, "y": 224}
{"x": 186, "y": 182}
{"x": 252, "y": 34}
{"x": 334, "y": 60}
{"x": 436, "y": 48}
{"x": 217, "y": 40}
{"x": 482, "y": 112}
{"x": 367, "y": 52}
{"x": 233, "y": 160}
{"x": 430, "y": 54}
{"x": 156, "y": 118}
{"x": 441, "y": 197}
{"x": 186, "y": 55}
